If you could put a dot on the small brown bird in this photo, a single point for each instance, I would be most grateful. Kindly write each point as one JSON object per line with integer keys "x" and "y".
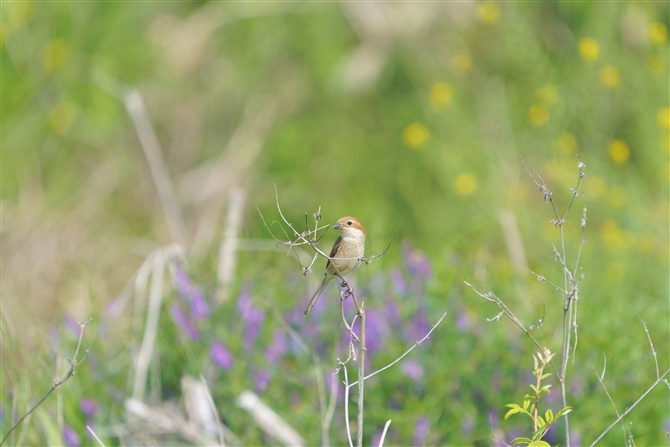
{"x": 345, "y": 255}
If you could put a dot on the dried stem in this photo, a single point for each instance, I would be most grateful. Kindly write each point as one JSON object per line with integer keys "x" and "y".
{"x": 72, "y": 365}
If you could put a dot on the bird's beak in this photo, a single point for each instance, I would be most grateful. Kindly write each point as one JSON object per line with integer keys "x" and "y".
{"x": 336, "y": 227}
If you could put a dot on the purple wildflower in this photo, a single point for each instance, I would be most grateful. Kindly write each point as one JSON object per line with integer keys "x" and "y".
{"x": 277, "y": 348}
{"x": 221, "y": 355}
{"x": 412, "y": 369}
{"x": 416, "y": 261}
{"x": 462, "y": 322}
{"x": 420, "y": 431}
{"x": 392, "y": 312}
{"x": 262, "y": 381}
{"x": 252, "y": 317}
{"x": 376, "y": 329}
{"x": 191, "y": 293}
{"x": 113, "y": 308}
{"x": 184, "y": 322}
{"x": 398, "y": 281}
{"x": 467, "y": 425}
{"x": 575, "y": 437}
{"x": 72, "y": 324}
{"x": 419, "y": 326}
{"x": 70, "y": 437}
{"x": 88, "y": 407}
{"x": 494, "y": 419}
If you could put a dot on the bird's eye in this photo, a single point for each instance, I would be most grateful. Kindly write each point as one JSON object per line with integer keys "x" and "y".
{"x": 351, "y": 222}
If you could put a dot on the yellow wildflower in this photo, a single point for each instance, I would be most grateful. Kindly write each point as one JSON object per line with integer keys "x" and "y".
{"x": 663, "y": 118}
{"x": 538, "y": 115}
{"x": 589, "y": 49}
{"x": 415, "y": 135}
{"x": 609, "y": 77}
{"x": 440, "y": 95}
{"x": 658, "y": 33}
{"x": 488, "y": 12}
{"x": 55, "y": 54}
{"x": 567, "y": 143}
{"x": 619, "y": 151}
{"x": 62, "y": 117}
{"x": 461, "y": 62}
{"x": 465, "y": 184}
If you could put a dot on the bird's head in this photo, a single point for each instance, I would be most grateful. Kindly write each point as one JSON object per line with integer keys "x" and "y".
{"x": 350, "y": 226}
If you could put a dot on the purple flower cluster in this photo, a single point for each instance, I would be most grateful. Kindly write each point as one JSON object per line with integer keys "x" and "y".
{"x": 416, "y": 261}
{"x": 70, "y": 437}
{"x": 421, "y": 431}
{"x": 277, "y": 348}
{"x": 220, "y": 354}
{"x": 191, "y": 293}
{"x": 191, "y": 305}
{"x": 252, "y": 317}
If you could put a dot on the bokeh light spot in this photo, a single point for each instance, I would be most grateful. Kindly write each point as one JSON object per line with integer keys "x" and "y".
{"x": 55, "y": 54}
{"x": 589, "y": 50}
{"x": 62, "y": 117}
{"x": 658, "y": 33}
{"x": 440, "y": 95}
{"x": 538, "y": 115}
{"x": 595, "y": 186}
{"x": 465, "y": 184}
{"x": 488, "y": 12}
{"x": 461, "y": 62}
{"x": 609, "y": 77}
{"x": 567, "y": 143}
{"x": 619, "y": 151}
{"x": 663, "y": 118}
{"x": 548, "y": 94}
{"x": 415, "y": 135}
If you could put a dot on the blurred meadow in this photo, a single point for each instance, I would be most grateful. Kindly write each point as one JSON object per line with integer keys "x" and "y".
{"x": 415, "y": 118}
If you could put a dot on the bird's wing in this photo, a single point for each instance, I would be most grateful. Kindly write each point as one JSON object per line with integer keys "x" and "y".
{"x": 336, "y": 248}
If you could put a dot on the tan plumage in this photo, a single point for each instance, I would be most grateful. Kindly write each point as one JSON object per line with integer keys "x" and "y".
{"x": 345, "y": 255}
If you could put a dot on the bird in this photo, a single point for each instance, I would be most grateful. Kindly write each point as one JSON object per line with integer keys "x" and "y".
{"x": 346, "y": 254}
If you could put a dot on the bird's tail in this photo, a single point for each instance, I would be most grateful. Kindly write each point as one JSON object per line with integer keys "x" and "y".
{"x": 324, "y": 283}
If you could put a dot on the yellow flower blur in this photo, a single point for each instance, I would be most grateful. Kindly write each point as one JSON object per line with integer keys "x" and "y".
{"x": 538, "y": 115}
{"x": 589, "y": 49}
{"x": 663, "y": 118}
{"x": 465, "y": 184}
{"x": 461, "y": 62}
{"x": 548, "y": 94}
{"x": 567, "y": 143}
{"x": 609, "y": 77}
{"x": 658, "y": 33}
{"x": 655, "y": 64}
{"x": 595, "y": 186}
{"x": 415, "y": 135}
{"x": 619, "y": 151}
{"x": 440, "y": 95}
{"x": 488, "y": 12}
{"x": 55, "y": 54}
{"x": 664, "y": 142}
{"x": 62, "y": 117}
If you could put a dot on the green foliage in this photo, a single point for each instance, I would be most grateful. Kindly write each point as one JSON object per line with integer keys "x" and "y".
{"x": 531, "y": 404}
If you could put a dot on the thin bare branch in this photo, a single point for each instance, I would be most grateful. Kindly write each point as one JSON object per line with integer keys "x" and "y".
{"x": 72, "y": 365}
{"x": 406, "y": 352}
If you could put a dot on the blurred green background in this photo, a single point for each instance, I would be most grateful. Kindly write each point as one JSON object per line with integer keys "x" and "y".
{"x": 413, "y": 117}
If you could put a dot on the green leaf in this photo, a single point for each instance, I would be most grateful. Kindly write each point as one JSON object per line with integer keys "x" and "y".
{"x": 540, "y": 422}
{"x": 565, "y": 410}
{"x": 539, "y": 443}
{"x": 513, "y": 411}
{"x": 549, "y": 416}
{"x": 534, "y": 388}
{"x": 545, "y": 389}
{"x": 526, "y": 402}
{"x": 521, "y": 441}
